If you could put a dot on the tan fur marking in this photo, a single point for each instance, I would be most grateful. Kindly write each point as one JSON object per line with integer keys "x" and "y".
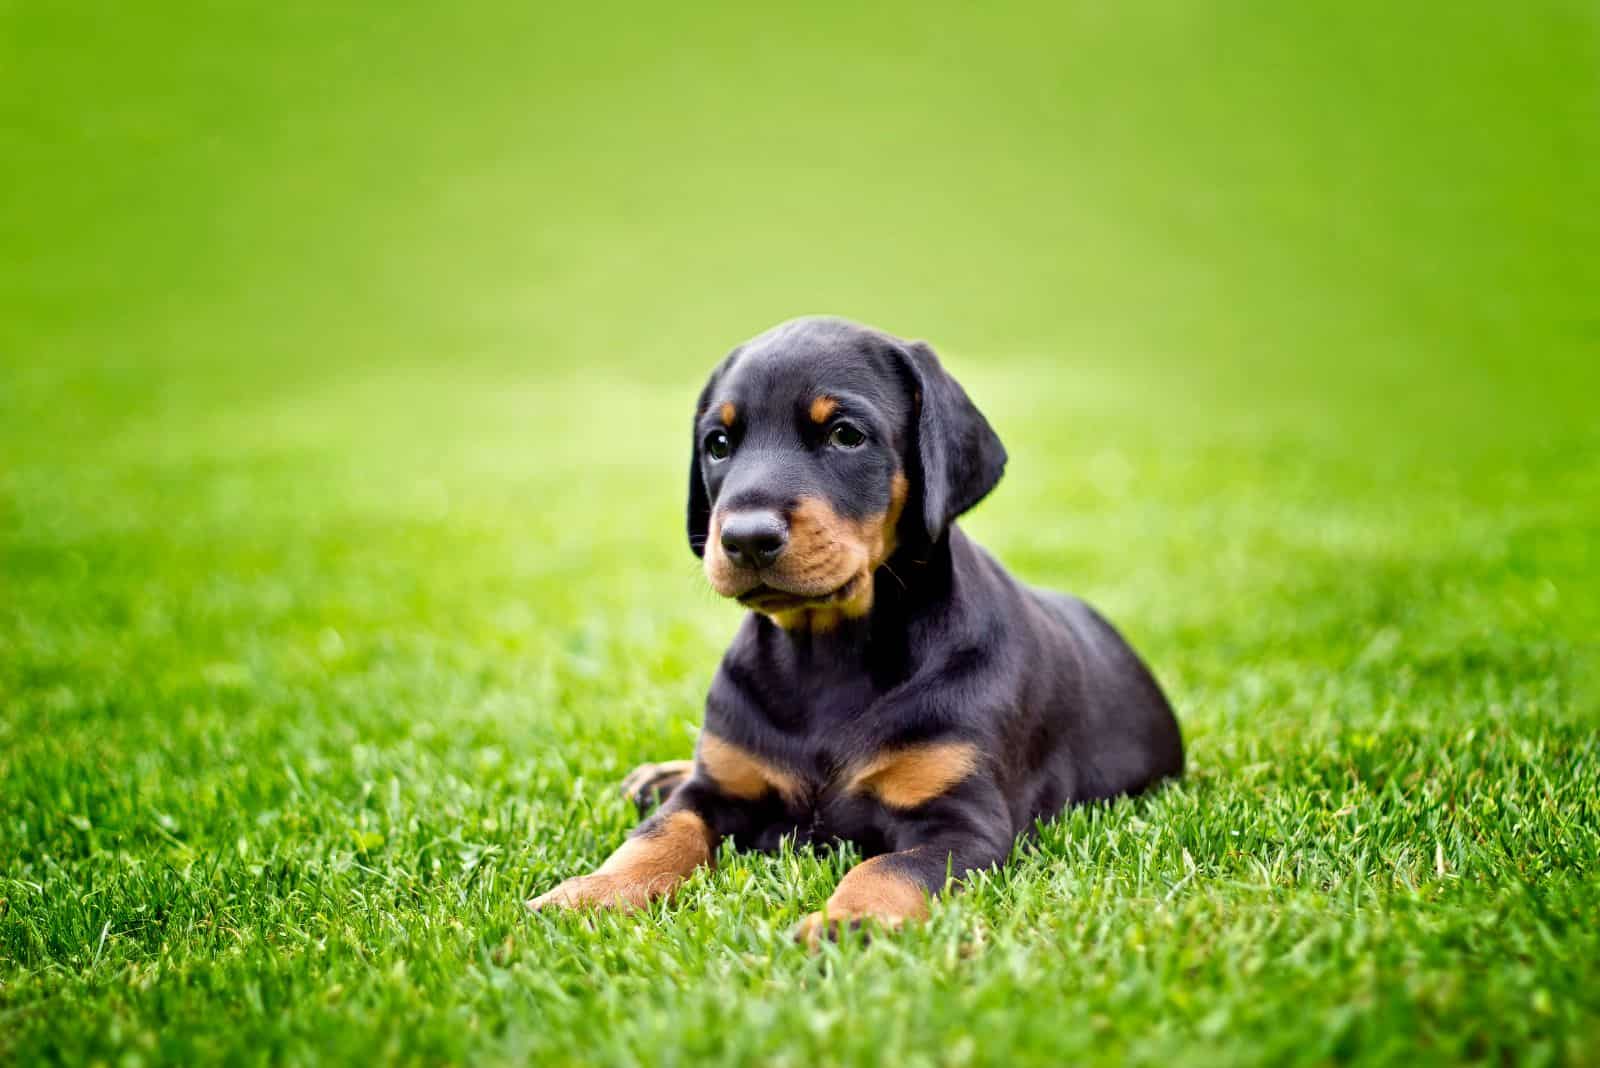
{"x": 853, "y": 602}
{"x": 645, "y": 867}
{"x": 716, "y": 561}
{"x": 906, "y": 778}
{"x": 899, "y": 489}
{"x": 677, "y": 847}
{"x": 646, "y": 772}
{"x": 727, "y": 412}
{"x": 872, "y": 890}
{"x": 742, "y": 774}
{"x": 666, "y": 774}
{"x": 822, "y": 409}
{"x": 827, "y": 555}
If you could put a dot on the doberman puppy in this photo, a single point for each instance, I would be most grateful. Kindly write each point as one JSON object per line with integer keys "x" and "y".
{"x": 892, "y": 684}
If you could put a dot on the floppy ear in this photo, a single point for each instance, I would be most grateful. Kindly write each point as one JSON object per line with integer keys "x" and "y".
{"x": 699, "y": 501}
{"x": 958, "y": 457}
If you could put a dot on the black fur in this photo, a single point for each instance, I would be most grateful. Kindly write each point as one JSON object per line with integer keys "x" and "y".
{"x": 954, "y": 648}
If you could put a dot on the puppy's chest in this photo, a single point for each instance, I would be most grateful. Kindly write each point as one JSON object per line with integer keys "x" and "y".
{"x": 813, "y": 795}
{"x": 827, "y": 819}
{"x": 810, "y": 747}
{"x": 814, "y": 730}
{"x": 809, "y": 707}
{"x": 829, "y": 784}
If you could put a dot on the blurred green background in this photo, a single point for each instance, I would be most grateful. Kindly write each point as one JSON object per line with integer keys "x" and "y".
{"x": 346, "y": 356}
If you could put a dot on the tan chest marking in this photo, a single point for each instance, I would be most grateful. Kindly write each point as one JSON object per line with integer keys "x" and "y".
{"x": 906, "y": 778}
{"x": 740, "y": 773}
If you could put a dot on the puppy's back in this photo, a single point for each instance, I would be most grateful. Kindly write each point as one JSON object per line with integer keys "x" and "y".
{"x": 1125, "y": 737}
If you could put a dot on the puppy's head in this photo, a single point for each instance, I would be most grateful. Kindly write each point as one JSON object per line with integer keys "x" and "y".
{"x": 821, "y": 447}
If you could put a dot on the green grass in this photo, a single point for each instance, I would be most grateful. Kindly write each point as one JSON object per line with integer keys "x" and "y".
{"x": 345, "y": 364}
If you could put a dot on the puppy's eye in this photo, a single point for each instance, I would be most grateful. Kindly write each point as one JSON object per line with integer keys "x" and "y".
{"x": 718, "y": 446}
{"x": 846, "y": 436}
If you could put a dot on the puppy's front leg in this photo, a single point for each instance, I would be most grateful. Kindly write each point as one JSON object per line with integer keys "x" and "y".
{"x": 659, "y": 854}
{"x": 717, "y": 797}
{"x": 725, "y": 791}
{"x": 893, "y": 888}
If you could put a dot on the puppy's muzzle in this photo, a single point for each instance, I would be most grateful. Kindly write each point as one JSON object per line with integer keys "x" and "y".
{"x": 754, "y": 539}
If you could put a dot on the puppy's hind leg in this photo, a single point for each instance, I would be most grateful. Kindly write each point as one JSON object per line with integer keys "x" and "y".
{"x": 649, "y": 786}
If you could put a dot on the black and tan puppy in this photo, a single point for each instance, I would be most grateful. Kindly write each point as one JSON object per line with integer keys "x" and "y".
{"x": 892, "y": 685}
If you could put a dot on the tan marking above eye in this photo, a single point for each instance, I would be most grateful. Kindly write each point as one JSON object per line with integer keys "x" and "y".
{"x": 906, "y": 778}
{"x": 728, "y": 412}
{"x": 740, "y": 773}
{"x": 822, "y": 409}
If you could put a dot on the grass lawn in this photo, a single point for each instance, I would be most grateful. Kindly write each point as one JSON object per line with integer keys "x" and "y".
{"x": 346, "y": 358}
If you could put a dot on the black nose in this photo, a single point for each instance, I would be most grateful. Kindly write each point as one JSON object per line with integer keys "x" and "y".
{"x": 754, "y": 539}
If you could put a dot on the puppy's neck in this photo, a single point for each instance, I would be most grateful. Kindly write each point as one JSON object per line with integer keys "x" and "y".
{"x": 850, "y": 605}
{"x": 875, "y": 614}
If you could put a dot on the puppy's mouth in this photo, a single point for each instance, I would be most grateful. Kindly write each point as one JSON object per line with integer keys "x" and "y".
{"x": 765, "y": 598}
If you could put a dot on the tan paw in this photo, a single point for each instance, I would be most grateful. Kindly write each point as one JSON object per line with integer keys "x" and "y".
{"x": 603, "y": 891}
{"x": 824, "y": 926}
{"x": 648, "y": 785}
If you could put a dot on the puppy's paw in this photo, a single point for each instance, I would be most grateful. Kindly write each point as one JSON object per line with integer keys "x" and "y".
{"x": 602, "y": 891}
{"x": 825, "y": 926}
{"x": 648, "y": 785}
